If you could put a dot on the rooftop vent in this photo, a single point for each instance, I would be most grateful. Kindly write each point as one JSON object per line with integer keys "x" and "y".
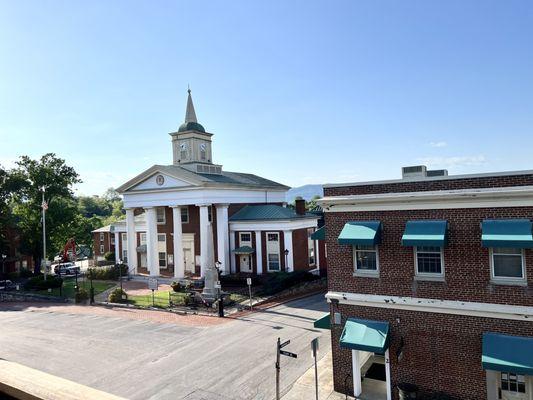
{"x": 437, "y": 172}
{"x": 416, "y": 171}
{"x": 209, "y": 169}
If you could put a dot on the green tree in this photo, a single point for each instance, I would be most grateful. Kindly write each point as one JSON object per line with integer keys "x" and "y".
{"x": 57, "y": 178}
{"x": 312, "y": 204}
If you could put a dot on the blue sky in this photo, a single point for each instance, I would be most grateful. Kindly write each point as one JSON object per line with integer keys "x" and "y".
{"x": 296, "y": 91}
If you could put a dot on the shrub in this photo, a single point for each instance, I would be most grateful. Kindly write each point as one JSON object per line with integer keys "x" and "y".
{"x": 106, "y": 273}
{"x": 116, "y": 296}
{"x": 109, "y": 256}
{"x": 279, "y": 281}
{"x": 81, "y": 295}
{"x": 38, "y": 282}
{"x": 26, "y": 273}
{"x": 176, "y": 286}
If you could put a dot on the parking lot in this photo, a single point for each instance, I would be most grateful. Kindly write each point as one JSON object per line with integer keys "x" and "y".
{"x": 157, "y": 355}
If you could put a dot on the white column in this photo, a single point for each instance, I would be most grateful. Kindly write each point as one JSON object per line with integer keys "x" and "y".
{"x": 131, "y": 240}
{"x": 152, "y": 257}
{"x": 204, "y": 240}
{"x": 231, "y": 254}
{"x": 287, "y": 239}
{"x": 222, "y": 237}
{"x": 356, "y": 373}
{"x": 117, "y": 247}
{"x": 317, "y": 254}
{"x": 258, "y": 252}
{"x": 387, "y": 375}
{"x": 179, "y": 265}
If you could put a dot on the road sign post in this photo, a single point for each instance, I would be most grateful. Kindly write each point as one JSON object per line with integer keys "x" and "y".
{"x": 314, "y": 348}
{"x": 153, "y": 285}
{"x": 249, "y": 283}
{"x": 279, "y": 353}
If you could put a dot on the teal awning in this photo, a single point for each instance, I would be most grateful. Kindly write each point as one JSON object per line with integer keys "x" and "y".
{"x": 243, "y": 250}
{"x": 515, "y": 233}
{"x": 323, "y": 323}
{"x": 366, "y": 233}
{"x": 425, "y": 233}
{"x": 366, "y": 335}
{"x": 319, "y": 234}
{"x": 506, "y": 353}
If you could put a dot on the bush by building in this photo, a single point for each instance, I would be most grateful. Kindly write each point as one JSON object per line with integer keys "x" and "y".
{"x": 107, "y": 273}
{"x": 81, "y": 295}
{"x": 118, "y": 296}
{"x": 38, "y": 282}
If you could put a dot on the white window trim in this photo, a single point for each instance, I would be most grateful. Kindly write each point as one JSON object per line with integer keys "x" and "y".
{"x": 429, "y": 276}
{"x": 186, "y": 208}
{"x": 365, "y": 273}
{"x": 310, "y": 231}
{"x": 101, "y": 237}
{"x": 503, "y": 280}
{"x": 125, "y": 256}
{"x": 101, "y": 249}
{"x": 246, "y": 242}
{"x": 270, "y": 252}
{"x": 164, "y": 216}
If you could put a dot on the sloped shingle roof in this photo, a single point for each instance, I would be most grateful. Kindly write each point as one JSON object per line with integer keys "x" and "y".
{"x": 267, "y": 212}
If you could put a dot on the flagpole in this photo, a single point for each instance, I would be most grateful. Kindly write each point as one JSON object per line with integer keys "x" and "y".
{"x": 43, "y": 206}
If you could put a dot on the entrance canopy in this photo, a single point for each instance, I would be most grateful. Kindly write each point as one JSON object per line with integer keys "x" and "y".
{"x": 319, "y": 234}
{"x": 366, "y": 233}
{"x": 243, "y": 250}
{"x": 366, "y": 335}
{"x": 425, "y": 233}
{"x": 506, "y": 353}
{"x": 514, "y": 233}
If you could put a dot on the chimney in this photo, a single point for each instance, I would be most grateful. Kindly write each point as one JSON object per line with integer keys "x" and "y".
{"x": 299, "y": 204}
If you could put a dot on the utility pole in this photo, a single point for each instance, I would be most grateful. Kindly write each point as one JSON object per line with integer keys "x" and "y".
{"x": 44, "y": 206}
{"x": 278, "y": 348}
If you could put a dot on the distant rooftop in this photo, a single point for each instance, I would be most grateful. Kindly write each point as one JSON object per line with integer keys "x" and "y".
{"x": 267, "y": 212}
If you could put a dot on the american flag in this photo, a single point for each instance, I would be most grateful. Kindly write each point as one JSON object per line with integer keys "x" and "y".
{"x": 44, "y": 205}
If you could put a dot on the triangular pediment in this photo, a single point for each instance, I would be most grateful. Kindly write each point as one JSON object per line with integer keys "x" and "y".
{"x": 160, "y": 177}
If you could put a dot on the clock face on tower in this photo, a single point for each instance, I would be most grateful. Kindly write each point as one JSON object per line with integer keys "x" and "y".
{"x": 203, "y": 146}
{"x": 183, "y": 147}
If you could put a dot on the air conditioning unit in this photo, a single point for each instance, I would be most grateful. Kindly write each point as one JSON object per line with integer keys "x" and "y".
{"x": 415, "y": 171}
{"x": 437, "y": 172}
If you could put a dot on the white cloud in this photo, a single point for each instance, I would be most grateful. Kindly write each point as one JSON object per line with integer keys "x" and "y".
{"x": 438, "y": 144}
{"x": 8, "y": 162}
{"x": 457, "y": 161}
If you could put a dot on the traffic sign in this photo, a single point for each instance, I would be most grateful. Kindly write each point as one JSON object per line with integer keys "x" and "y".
{"x": 288, "y": 354}
{"x": 284, "y": 344}
{"x": 249, "y": 281}
{"x": 152, "y": 283}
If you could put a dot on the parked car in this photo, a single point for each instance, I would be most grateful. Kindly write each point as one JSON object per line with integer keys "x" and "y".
{"x": 68, "y": 268}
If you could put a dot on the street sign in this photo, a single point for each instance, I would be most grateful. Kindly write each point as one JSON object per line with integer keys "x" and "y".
{"x": 284, "y": 344}
{"x": 249, "y": 281}
{"x": 314, "y": 346}
{"x": 152, "y": 283}
{"x": 288, "y": 354}
{"x": 218, "y": 285}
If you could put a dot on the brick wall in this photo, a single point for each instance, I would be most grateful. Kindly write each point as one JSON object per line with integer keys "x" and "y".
{"x": 429, "y": 185}
{"x": 466, "y": 263}
{"x": 441, "y": 352}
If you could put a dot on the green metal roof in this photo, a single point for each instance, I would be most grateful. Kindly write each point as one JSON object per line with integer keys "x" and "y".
{"x": 267, "y": 212}
{"x": 425, "y": 233}
{"x": 515, "y": 233}
{"x": 506, "y": 353}
{"x": 366, "y": 335}
{"x": 361, "y": 232}
{"x": 323, "y": 323}
{"x": 244, "y": 250}
{"x": 319, "y": 234}
{"x": 191, "y": 126}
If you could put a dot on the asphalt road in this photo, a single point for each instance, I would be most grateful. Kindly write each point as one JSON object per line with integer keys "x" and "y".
{"x": 139, "y": 359}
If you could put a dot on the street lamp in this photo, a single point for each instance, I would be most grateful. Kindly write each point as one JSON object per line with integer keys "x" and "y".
{"x": 4, "y": 256}
{"x": 120, "y": 263}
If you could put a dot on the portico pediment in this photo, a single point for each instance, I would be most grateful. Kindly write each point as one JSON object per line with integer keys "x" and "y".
{"x": 157, "y": 178}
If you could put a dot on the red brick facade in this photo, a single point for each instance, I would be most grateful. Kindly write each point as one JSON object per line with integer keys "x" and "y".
{"x": 442, "y": 352}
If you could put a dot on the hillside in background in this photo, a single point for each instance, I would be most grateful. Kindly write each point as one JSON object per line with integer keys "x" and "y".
{"x": 307, "y": 192}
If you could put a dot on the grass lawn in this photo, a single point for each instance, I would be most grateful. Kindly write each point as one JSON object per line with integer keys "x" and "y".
{"x": 69, "y": 291}
{"x": 161, "y": 299}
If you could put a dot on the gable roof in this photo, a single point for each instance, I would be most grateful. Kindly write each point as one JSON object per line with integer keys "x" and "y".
{"x": 225, "y": 179}
{"x": 267, "y": 212}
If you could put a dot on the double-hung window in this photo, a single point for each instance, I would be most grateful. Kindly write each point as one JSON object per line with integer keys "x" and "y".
{"x": 184, "y": 214}
{"x": 162, "y": 249}
{"x": 161, "y": 218}
{"x": 429, "y": 261}
{"x": 366, "y": 260}
{"x": 513, "y": 383}
{"x": 311, "y": 247}
{"x": 101, "y": 237}
{"x": 101, "y": 249}
{"x": 273, "y": 253}
{"x": 507, "y": 264}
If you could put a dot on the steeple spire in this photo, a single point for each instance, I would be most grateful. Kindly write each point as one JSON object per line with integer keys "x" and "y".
{"x": 190, "y": 114}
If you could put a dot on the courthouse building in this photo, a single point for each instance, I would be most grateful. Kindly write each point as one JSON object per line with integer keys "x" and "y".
{"x": 430, "y": 283}
{"x": 176, "y": 215}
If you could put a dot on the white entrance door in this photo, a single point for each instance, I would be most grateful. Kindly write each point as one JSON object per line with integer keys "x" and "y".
{"x": 514, "y": 386}
{"x": 189, "y": 260}
{"x": 245, "y": 264}
{"x": 143, "y": 260}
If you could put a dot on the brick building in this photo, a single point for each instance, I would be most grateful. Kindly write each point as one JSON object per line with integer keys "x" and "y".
{"x": 11, "y": 259}
{"x": 430, "y": 283}
{"x": 174, "y": 213}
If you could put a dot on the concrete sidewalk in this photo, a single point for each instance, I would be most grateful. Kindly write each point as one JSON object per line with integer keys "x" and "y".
{"x": 304, "y": 387}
